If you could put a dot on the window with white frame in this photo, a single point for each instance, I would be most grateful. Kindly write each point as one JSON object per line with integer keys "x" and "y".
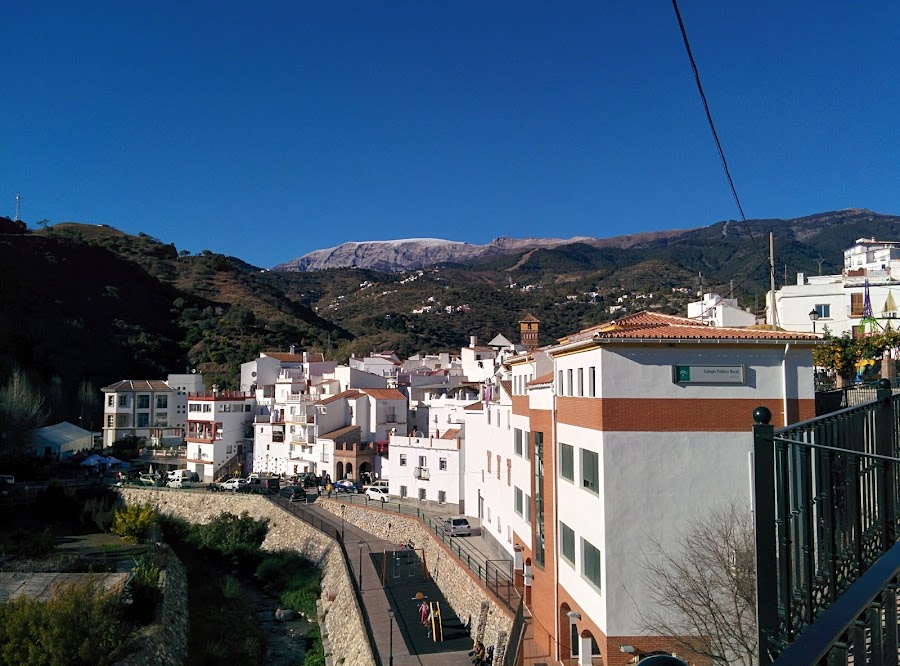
{"x": 519, "y": 501}
{"x": 111, "y": 400}
{"x": 403, "y": 491}
{"x": 517, "y": 441}
{"x": 580, "y": 382}
{"x": 123, "y": 401}
{"x": 422, "y": 494}
{"x": 423, "y": 461}
{"x": 162, "y": 402}
{"x": 143, "y": 401}
{"x": 592, "y": 382}
{"x": 442, "y": 496}
{"x": 824, "y": 310}
{"x": 402, "y": 460}
{"x": 442, "y": 464}
{"x": 528, "y": 508}
{"x": 570, "y": 387}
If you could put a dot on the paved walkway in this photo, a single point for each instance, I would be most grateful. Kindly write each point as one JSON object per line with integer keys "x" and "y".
{"x": 388, "y": 637}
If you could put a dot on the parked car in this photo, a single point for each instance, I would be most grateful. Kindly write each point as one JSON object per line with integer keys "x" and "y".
{"x": 377, "y": 493}
{"x": 179, "y": 482}
{"x": 234, "y": 484}
{"x": 149, "y": 479}
{"x": 458, "y": 526}
{"x": 378, "y": 483}
{"x": 10, "y": 479}
{"x": 347, "y": 486}
{"x": 293, "y": 493}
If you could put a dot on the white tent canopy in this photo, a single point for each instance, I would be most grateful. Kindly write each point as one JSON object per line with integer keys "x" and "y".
{"x": 61, "y": 440}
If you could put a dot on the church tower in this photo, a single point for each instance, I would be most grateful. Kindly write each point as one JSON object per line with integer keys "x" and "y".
{"x": 528, "y": 328}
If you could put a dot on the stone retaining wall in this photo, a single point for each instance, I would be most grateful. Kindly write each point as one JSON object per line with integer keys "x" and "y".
{"x": 469, "y": 598}
{"x": 163, "y": 643}
{"x": 342, "y": 618}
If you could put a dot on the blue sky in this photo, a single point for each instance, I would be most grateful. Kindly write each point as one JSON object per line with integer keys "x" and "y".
{"x": 268, "y": 130}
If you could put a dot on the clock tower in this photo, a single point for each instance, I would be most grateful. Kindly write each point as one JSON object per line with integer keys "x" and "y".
{"x": 528, "y": 329}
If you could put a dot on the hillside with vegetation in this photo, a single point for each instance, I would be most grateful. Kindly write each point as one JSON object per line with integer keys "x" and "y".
{"x": 84, "y": 305}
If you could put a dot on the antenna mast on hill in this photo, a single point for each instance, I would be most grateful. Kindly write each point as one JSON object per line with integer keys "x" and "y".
{"x": 18, "y": 198}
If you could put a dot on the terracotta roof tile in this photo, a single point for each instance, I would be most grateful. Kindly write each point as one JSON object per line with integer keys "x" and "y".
{"x": 475, "y": 405}
{"x": 506, "y": 384}
{"x": 352, "y": 394}
{"x": 138, "y": 385}
{"x": 451, "y": 434}
{"x": 384, "y": 394}
{"x": 540, "y": 381}
{"x": 340, "y": 432}
{"x": 652, "y": 325}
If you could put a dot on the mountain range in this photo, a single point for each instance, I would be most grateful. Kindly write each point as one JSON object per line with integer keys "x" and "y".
{"x": 89, "y": 302}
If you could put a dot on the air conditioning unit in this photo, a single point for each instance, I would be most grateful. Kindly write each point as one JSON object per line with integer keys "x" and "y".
{"x": 421, "y": 473}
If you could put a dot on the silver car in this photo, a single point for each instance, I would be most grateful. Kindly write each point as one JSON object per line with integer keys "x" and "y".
{"x": 458, "y": 526}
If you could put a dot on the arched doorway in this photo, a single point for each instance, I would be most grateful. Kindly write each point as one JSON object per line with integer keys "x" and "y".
{"x": 339, "y": 471}
{"x": 349, "y": 470}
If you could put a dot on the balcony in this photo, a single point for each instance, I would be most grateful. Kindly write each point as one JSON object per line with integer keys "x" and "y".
{"x": 302, "y": 419}
{"x": 826, "y": 497}
{"x": 421, "y": 473}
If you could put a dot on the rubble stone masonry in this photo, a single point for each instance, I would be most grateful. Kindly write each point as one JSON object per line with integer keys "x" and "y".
{"x": 342, "y": 618}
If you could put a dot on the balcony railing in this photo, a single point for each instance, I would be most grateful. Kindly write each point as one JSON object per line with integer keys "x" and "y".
{"x": 828, "y": 563}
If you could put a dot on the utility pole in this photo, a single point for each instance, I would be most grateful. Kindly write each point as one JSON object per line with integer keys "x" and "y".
{"x": 18, "y": 199}
{"x": 772, "y": 318}
{"x": 820, "y": 261}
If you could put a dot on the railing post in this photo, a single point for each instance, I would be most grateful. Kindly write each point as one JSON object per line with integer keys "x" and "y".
{"x": 884, "y": 447}
{"x": 764, "y": 515}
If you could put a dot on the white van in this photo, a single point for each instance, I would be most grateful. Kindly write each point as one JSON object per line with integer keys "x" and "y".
{"x": 178, "y": 482}
{"x": 181, "y": 474}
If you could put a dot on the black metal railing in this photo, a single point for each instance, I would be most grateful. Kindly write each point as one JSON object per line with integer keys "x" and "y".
{"x": 332, "y": 530}
{"x": 511, "y": 656}
{"x": 826, "y": 503}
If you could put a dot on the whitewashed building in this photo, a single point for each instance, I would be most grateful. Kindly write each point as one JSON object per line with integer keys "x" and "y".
{"x": 713, "y": 310}
{"x": 219, "y": 429}
{"x": 429, "y": 469}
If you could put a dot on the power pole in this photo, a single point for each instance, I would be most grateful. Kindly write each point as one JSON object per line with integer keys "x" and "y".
{"x": 18, "y": 199}
{"x": 772, "y": 318}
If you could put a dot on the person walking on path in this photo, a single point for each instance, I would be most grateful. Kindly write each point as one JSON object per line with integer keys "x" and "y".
{"x": 328, "y": 489}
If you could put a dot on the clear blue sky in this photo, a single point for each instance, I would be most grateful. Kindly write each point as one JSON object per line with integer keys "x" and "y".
{"x": 267, "y": 130}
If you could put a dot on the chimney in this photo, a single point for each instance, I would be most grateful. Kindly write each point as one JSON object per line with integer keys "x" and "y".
{"x": 292, "y": 347}
{"x": 473, "y": 341}
{"x": 801, "y": 279}
{"x": 305, "y": 357}
{"x": 215, "y": 389}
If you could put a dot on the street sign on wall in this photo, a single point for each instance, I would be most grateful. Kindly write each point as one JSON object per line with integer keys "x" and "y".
{"x": 708, "y": 374}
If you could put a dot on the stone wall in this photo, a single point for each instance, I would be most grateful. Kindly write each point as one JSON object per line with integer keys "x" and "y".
{"x": 163, "y": 643}
{"x": 469, "y": 598}
{"x": 342, "y": 618}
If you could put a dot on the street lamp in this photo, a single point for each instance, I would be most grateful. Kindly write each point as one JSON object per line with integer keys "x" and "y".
{"x": 813, "y": 317}
{"x": 360, "y": 565}
{"x": 343, "y": 506}
{"x": 391, "y": 641}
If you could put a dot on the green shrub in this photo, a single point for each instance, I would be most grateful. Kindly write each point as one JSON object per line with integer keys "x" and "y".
{"x": 80, "y": 624}
{"x": 32, "y": 545}
{"x": 135, "y": 522}
{"x": 315, "y": 651}
{"x": 301, "y": 600}
{"x": 228, "y": 533}
{"x": 145, "y": 592}
{"x": 100, "y": 511}
{"x": 231, "y": 588}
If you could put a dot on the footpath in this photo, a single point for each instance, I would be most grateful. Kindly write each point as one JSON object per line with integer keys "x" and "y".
{"x": 394, "y": 636}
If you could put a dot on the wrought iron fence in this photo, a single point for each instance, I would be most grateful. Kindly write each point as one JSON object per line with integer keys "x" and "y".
{"x": 511, "y": 656}
{"x": 826, "y": 503}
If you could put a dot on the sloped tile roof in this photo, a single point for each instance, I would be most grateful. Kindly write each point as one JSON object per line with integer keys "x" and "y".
{"x": 383, "y": 393}
{"x": 334, "y": 434}
{"x": 529, "y": 318}
{"x": 652, "y": 325}
{"x": 138, "y": 385}
{"x": 311, "y": 357}
{"x": 451, "y": 434}
{"x": 506, "y": 385}
{"x": 543, "y": 379}
{"x": 475, "y": 405}
{"x": 352, "y": 394}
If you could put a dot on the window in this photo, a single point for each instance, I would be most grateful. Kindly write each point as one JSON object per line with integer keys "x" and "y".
{"x": 207, "y": 407}
{"x": 567, "y": 543}
{"x": 402, "y": 460}
{"x": 590, "y": 563}
{"x": 110, "y": 400}
{"x": 110, "y": 421}
{"x": 590, "y": 471}
{"x": 498, "y": 467}
{"x": 143, "y": 402}
{"x": 351, "y": 412}
{"x": 538, "y": 530}
{"x": 570, "y": 389}
{"x": 527, "y": 446}
{"x": 560, "y": 387}
{"x": 489, "y": 461}
{"x": 143, "y": 419}
{"x": 123, "y": 401}
{"x": 121, "y": 420}
{"x": 442, "y": 496}
{"x": 520, "y": 501}
{"x": 824, "y": 310}
{"x": 422, "y": 494}
{"x": 567, "y": 461}
{"x": 403, "y": 491}
{"x": 592, "y": 382}
{"x": 423, "y": 461}
{"x": 195, "y": 407}
{"x": 528, "y": 508}
{"x": 856, "y": 305}
{"x": 442, "y": 464}
{"x": 580, "y": 382}
{"x": 508, "y": 472}
{"x": 162, "y": 402}
{"x": 391, "y": 414}
{"x": 517, "y": 441}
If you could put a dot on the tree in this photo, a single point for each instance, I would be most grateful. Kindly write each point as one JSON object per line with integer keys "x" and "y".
{"x": 22, "y": 409}
{"x": 704, "y": 595}
{"x": 89, "y": 401}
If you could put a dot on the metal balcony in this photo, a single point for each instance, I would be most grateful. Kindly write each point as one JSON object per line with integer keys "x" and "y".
{"x": 421, "y": 473}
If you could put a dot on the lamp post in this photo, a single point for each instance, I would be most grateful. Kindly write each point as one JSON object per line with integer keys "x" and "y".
{"x": 391, "y": 641}
{"x": 343, "y": 506}
{"x": 360, "y": 565}
{"x": 813, "y": 317}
